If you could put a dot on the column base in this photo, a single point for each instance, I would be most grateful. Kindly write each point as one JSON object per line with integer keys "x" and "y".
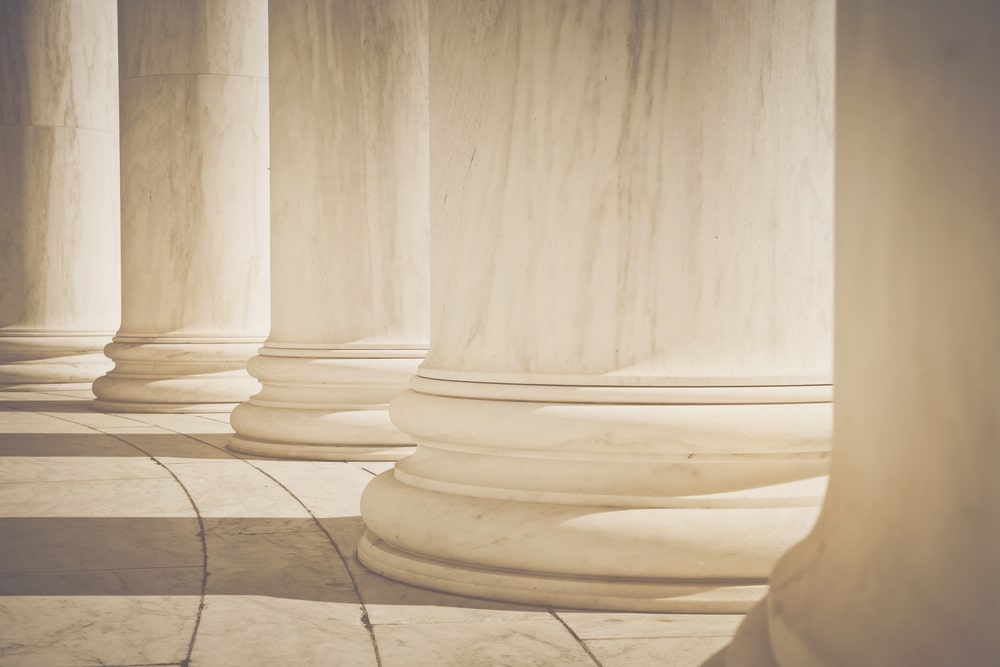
{"x": 536, "y": 588}
{"x": 325, "y": 404}
{"x": 667, "y": 499}
{"x": 710, "y": 558}
{"x": 176, "y": 375}
{"x": 37, "y": 360}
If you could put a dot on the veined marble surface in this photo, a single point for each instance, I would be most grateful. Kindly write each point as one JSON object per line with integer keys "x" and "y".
{"x": 223, "y": 37}
{"x": 622, "y": 193}
{"x": 194, "y": 133}
{"x": 901, "y": 568}
{"x": 349, "y": 174}
{"x": 638, "y": 192}
{"x": 349, "y": 230}
{"x": 194, "y": 169}
{"x": 59, "y": 217}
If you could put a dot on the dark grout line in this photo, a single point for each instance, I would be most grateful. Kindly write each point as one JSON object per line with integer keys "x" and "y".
{"x": 579, "y": 641}
{"x": 201, "y": 534}
{"x": 340, "y": 554}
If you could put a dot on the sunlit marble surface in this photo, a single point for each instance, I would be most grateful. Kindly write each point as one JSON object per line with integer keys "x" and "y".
{"x": 59, "y": 209}
{"x": 350, "y": 274}
{"x": 901, "y": 568}
{"x": 632, "y": 193}
{"x": 137, "y": 539}
{"x": 631, "y": 274}
{"x": 194, "y": 202}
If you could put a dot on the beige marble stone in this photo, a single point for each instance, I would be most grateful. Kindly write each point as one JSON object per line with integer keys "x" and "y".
{"x": 59, "y": 218}
{"x": 534, "y": 642}
{"x": 349, "y": 230}
{"x": 194, "y": 132}
{"x": 901, "y": 568}
{"x": 630, "y": 353}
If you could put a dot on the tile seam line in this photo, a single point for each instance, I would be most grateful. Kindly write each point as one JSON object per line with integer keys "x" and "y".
{"x": 575, "y": 636}
{"x": 340, "y": 554}
{"x": 201, "y": 530}
{"x": 87, "y": 403}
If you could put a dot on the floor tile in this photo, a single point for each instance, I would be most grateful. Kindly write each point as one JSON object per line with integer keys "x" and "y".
{"x": 186, "y": 423}
{"x": 81, "y": 631}
{"x": 128, "y": 581}
{"x": 234, "y": 489}
{"x": 328, "y": 489}
{"x": 69, "y": 544}
{"x": 96, "y": 498}
{"x": 164, "y": 445}
{"x": 656, "y": 652}
{"x": 63, "y": 444}
{"x": 33, "y": 422}
{"x": 24, "y": 469}
{"x": 259, "y": 631}
{"x": 605, "y": 625}
{"x": 287, "y": 558}
{"x": 541, "y": 643}
{"x": 86, "y": 417}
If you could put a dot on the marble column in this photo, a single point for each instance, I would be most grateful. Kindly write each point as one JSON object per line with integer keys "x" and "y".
{"x": 349, "y": 230}
{"x": 626, "y": 399}
{"x": 194, "y": 142}
{"x": 59, "y": 219}
{"x": 902, "y": 566}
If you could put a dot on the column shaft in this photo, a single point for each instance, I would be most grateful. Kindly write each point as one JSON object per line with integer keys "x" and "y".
{"x": 901, "y": 568}
{"x": 194, "y": 205}
{"x": 59, "y": 215}
{"x": 631, "y": 284}
{"x": 349, "y": 230}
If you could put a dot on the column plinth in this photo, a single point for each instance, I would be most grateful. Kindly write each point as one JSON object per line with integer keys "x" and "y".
{"x": 325, "y": 404}
{"x": 194, "y": 133}
{"x": 59, "y": 209}
{"x": 691, "y": 482}
{"x": 349, "y": 246}
{"x": 175, "y": 375}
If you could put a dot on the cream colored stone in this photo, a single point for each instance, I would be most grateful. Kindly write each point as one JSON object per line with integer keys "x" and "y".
{"x": 59, "y": 217}
{"x": 901, "y": 568}
{"x": 626, "y": 400}
{"x": 195, "y": 205}
{"x": 349, "y": 244}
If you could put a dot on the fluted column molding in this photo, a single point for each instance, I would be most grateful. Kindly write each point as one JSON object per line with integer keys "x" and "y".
{"x": 625, "y": 402}
{"x": 194, "y": 138}
{"x": 59, "y": 215}
{"x": 349, "y": 240}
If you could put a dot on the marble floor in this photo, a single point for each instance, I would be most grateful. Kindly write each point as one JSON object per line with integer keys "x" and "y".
{"x": 138, "y": 539}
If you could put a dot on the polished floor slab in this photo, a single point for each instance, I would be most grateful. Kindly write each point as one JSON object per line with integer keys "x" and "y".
{"x": 140, "y": 540}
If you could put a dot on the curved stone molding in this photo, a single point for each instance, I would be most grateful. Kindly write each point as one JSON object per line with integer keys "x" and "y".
{"x": 169, "y": 375}
{"x": 325, "y": 404}
{"x": 349, "y": 230}
{"x": 37, "y": 358}
{"x": 59, "y": 196}
{"x": 572, "y": 477}
{"x": 194, "y": 133}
